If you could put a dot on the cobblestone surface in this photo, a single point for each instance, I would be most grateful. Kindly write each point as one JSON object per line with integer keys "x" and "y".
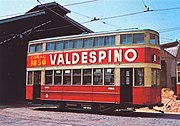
{"x": 26, "y": 116}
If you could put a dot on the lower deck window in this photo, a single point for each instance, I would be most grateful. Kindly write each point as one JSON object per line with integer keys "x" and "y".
{"x": 67, "y": 77}
{"x": 57, "y": 77}
{"x": 77, "y": 77}
{"x": 37, "y": 77}
{"x": 108, "y": 76}
{"x": 48, "y": 76}
{"x": 154, "y": 77}
{"x": 87, "y": 76}
{"x": 97, "y": 76}
{"x": 139, "y": 76}
{"x": 29, "y": 78}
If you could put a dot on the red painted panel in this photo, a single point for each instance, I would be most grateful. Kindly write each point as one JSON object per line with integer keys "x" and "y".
{"x": 29, "y": 92}
{"x": 81, "y": 93}
{"x": 149, "y": 52}
{"x": 146, "y": 95}
{"x": 178, "y": 91}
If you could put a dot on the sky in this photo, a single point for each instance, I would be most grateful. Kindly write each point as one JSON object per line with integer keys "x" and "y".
{"x": 165, "y": 18}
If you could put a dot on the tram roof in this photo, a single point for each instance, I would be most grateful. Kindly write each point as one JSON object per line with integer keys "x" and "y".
{"x": 92, "y": 34}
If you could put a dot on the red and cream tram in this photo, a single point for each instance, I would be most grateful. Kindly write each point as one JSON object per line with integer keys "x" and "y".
{"x": 117, "y": 68}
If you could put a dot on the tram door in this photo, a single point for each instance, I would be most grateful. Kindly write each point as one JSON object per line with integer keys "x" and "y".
{"x": 126, "y": 86}
{"x": 37, "y": 85}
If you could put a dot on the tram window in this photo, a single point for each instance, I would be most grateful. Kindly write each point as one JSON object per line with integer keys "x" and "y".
{"x": 78, "y": 43}
{"x": 57, "y": 77}
{"x": 178, "y": 76}
{"x": 29, "y": 77}
{"x": 87, "y": 76}
{"x": 59, "y": 45}
{"x": 138, "y": 38}
{"x": 109, "y": 76}
{"x": 50, "y": 46}
{"x": 99, "y": 41}
{"x": 77, "y": 77}
{"x": 48, "y": 76}
{"x": 88, "y": 42}
{"x": 139, "y": 77}
{"x": 110, "y": 40}
{"x": 97, "y": 76}
{"x": 152, "y": 39}
{"x": 67, "y": 77}
{"x": 37, "y": 77}
{"x": 126, "y": 39}
{"x": 32, "y": 48}
{"x": 68, "y": 44}
{"x": 154, "y": 77}
{"x": 38, "y": 48}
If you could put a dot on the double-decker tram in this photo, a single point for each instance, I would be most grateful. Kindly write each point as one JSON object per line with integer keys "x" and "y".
{"x": 119, "y": 69}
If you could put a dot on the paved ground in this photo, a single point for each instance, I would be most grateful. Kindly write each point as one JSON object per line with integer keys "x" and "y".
{"x": 28, "y": 116}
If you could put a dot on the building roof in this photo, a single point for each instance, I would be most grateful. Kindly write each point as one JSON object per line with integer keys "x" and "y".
{"x": 172, "y": 47}
{"x": 47, "y": 20}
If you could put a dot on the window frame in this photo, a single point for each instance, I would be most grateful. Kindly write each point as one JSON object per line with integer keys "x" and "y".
{"x": 139, "y": 77}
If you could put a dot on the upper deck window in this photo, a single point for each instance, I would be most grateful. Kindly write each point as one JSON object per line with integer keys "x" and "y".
{"x": 32, "y": 48}
{"x": 110, "y": 40}
{"x": 99, "y": 41}
{"x": 59, "y": 45}
{"x": 88, "y": 42}
{"x": 132, "y": 38}
{"x": 50, "y": 46}
{"x": 35, "y": 48}
{"x": 138, "y": 38}
{"x": 152, "y": 39}
{"x": 78, "y": 43}
{"x": 68, "y": 44}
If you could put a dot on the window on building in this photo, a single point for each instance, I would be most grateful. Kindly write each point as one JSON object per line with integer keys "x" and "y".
{"x": 48, "y": 77}
{"x": 110, "y": 41}
{"x": 154, "y": 77}
{"x": 178, "y": 74}
{"x": 37, "y": 77}
{"x": 139, "y": 76}
{"x": 57, "y": 77}
{"x": 99, "y": 41}
{"x": 78, "y": 43}
{"x": 67, "y": 77}
{"x": 59, "y": 45}
{"x": 32, "y": 48}
{"x": 88, "y": 43}
{"x": 152, "y": 39}
{"x": 87, "y": 76}
{"x": 68, "y": 44}
{"x": 50, "y": 46}
{"x": 77, "y": 77}
{"x": 108, "y": 76}
{"x": 29, "y": 77}
{"x": 97, "y": 76}
{"x": 38, "y": 47}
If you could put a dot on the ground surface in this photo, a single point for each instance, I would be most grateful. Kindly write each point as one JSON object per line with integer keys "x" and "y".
{"x": 33, "y": 116}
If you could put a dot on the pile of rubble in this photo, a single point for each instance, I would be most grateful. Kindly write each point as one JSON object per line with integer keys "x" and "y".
{"x": 169, "y": 101}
